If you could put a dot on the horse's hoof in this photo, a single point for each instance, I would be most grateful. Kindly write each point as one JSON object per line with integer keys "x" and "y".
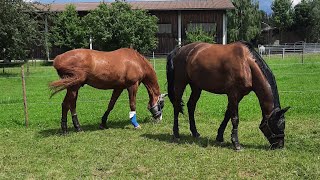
{"x": 79, "y": 130}
{"x": 238, "y": 148}
{"x": 64, "y": 133}
{"x": 196, "y": 135}
{"x": 176, "y": 139}
{"x": 102, "y": 127}
{"x": 219, "y": 139}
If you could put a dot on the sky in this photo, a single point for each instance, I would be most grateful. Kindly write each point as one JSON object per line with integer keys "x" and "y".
{"x": 264, "y": 4}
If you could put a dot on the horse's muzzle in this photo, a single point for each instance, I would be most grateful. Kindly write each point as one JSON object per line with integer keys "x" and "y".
{"x": 276, "y": 140}
{"x": 156, "y": 112}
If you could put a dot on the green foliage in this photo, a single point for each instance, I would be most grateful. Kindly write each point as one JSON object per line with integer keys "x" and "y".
{"x": 244, "y": 22}
{"x": 282, "y": 16}
{"x": 68, "y": 31}
{"x": 302, "y": 19}
{"x": 199, "y": 35}
{"x": 18, "y": 29}
{"x": 117, "y": 25}
{"x": 315, "y": 14}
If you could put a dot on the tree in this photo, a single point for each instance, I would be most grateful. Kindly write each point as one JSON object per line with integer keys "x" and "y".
{"x": 244, "y": 22}
{"x": 68, "y": 31}
{"x": 315, "y": 22}
{"x": 19, "y": 29}
{"x": 117, "y": 25}
{"x": 199, "y": 35}
{"x": 303, "y": 18}
{"x": 282, "y": 16}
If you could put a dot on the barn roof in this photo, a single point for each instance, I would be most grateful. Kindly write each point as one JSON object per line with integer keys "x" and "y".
{"x": 157, "y": 5}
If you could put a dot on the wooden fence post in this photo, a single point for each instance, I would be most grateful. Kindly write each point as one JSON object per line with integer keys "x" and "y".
{"x": 24, "y": 97}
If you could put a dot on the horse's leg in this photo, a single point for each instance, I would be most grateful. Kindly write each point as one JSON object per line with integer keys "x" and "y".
{"x": 65, "y": 108}
{"x": 73, "y": 101}
{"x": 234, "y": 107}
{"x": 179, "y": 88}
{"x": 115, "y": 95}
{"x": 132, "y": 91}
{"x": 223, "y": 125}
{"x": 69, "y": 100}
{"x": 194, "y": 97}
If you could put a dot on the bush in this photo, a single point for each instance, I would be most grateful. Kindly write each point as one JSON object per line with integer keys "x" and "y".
{"x": 199, "y": 35}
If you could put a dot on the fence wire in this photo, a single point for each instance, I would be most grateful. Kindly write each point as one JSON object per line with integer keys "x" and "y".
{"x": 154, "y": 63}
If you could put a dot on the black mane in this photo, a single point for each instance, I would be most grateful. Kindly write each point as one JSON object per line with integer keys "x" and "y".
{"x": 267, "y": 73}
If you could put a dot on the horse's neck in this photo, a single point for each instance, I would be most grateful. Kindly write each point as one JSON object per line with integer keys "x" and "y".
{"x": 263, "y": 91}
{"x": 151, "y": 83}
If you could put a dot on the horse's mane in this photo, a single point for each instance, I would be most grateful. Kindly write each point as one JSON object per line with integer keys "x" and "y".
{"x": 267, "y": 73}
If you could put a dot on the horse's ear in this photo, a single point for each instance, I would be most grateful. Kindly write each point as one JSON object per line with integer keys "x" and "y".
{"x": 284, "y": 110}
{"x": 164, "y": 95}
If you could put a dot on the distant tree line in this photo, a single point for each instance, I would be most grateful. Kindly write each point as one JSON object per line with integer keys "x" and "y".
{"x": 244, "y": 22}
{"x": 110, "y": 26}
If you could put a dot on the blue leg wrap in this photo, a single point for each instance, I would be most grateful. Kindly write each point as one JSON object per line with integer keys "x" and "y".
{"x": 133, "y": 118}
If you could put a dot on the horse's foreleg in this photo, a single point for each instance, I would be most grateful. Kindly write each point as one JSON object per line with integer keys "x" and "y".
{"x": 73, "y": 94}
{"x": 115, "y": 95}
{"x": 223, "y": 125}
{"x": 132, "y": 91}
{"x": 194, "y": 97}
{"x": 234, "y": 106}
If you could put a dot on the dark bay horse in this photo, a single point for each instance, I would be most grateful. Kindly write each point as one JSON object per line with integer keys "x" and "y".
{"x": 234, "y": 70}
{"x": 118, "y": 70}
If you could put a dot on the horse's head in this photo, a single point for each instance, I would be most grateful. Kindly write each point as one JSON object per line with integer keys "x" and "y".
{"x": 156, "y": 110}
{"x": 273, "y": 128}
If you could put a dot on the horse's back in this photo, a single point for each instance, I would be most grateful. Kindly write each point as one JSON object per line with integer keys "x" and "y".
{"x": 104, "y": 70}
{"x": 219, "y": 68}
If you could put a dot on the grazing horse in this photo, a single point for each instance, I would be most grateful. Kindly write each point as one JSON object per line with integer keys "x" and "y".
{"x": 234, "y": 70}
{"x": 118, "y": 70}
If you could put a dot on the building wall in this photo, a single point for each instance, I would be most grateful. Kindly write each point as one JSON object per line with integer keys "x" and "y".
{"x": 167, "y": 42}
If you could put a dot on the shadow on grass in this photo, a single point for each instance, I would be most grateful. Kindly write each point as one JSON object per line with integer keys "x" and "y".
{"x": 113, "y": 124}
{"x": 201, "y": 141}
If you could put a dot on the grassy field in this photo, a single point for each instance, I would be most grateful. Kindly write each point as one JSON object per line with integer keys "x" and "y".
{"x": 120, "y": 152}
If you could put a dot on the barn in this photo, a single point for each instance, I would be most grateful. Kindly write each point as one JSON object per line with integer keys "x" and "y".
{"x": 175, "y": 17}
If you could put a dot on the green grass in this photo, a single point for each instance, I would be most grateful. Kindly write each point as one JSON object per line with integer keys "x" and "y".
{"x": 120, "y": 152}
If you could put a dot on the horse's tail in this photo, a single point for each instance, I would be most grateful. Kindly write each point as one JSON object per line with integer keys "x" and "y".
{"x": 70, "y": 76}
{"x": 170, "y": 77}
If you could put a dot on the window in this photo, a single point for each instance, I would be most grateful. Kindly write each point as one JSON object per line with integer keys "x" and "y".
{"x": 207, "y": 27}
{"x": 164, "y": 28}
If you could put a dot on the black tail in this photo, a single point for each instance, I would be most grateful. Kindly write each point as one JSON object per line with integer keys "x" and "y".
{"x": 170, "y": 74}
{"x": 267, "y": 73}
{"x": 170, "y": 77}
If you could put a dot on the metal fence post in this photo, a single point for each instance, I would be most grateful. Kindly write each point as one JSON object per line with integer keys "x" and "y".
{"x": 283, "y": 49}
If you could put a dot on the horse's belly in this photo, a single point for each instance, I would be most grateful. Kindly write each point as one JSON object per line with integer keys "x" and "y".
{"x": 108, "y": 83}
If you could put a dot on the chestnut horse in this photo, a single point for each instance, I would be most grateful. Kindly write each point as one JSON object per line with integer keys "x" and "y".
{"x": 118, "y": 70}
{"x": 234, "y": 70}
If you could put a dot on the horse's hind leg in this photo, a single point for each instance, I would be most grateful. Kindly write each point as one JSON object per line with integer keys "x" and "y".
{"x": 223, "y": 125}
{"x": 194, "y": 97}
{"x": 115, "y": 95}
{"x": 69, "y": 103}
{"x": 73, "y": 92}
{"x": 179, "y": 88}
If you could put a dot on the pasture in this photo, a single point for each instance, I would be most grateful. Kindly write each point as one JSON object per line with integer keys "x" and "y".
{"x": 121, "y": 152}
